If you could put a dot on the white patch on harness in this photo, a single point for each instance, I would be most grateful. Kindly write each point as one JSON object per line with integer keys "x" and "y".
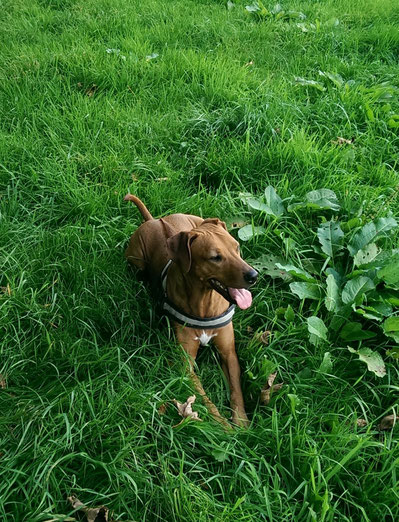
{"x": 204, "y": 338}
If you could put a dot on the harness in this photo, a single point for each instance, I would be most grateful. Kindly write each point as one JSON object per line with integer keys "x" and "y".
{"x": 205, "y": 323}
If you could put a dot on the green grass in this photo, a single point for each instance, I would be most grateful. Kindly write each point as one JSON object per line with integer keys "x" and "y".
{"x": 86, "y": 361}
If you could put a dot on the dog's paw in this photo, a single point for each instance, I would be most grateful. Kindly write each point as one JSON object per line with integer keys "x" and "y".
{"x": 240, "y": 420}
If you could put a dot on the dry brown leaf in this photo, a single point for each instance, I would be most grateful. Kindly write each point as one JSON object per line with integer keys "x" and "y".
{"x": 162, "y": 408}
{"x": 98, "y": 514}
{"x": 3, "y": 382}
{"x": 343, "y": 141}
{"x": 263, "y": 337}
{"x": 250, "y": 330}
{"x": 267, "y": 391}
{"x": 388, "y": 422}
{"x": 91, "y": 90}
{"x": 185, "y": 409}
{"x": 361, "y": 423}
{"x": 6, "y": 289}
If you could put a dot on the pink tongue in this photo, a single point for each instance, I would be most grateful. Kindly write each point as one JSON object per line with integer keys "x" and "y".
{"x": 242, "y": 297}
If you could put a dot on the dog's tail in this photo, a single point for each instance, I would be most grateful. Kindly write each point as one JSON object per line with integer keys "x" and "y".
{"x": 140, "y": 205}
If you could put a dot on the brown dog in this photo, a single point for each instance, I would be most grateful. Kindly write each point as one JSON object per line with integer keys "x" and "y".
{"x": 203, "y": 277}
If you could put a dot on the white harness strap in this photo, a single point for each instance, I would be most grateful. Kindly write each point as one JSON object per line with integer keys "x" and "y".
{"x": 164, "y": 275}
{"x": 205, "y": 323}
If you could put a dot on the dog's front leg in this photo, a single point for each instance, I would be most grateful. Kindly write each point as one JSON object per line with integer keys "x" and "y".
{"x": 226, "y": 347}
{"x": 188, "y": 341}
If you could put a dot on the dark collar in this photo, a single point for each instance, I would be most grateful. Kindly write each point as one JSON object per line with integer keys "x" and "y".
{"x": 205, "y": 323}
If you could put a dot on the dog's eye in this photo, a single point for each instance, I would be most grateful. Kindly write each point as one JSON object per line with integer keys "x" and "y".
{"x": 216, "y": 258}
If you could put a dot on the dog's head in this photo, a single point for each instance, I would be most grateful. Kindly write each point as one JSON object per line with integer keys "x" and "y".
{"x": 212, "y": 255}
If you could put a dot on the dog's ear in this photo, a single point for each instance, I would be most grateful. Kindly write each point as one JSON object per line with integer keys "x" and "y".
{"x": 179, "y": 248}
{"x": 215, "y": 221}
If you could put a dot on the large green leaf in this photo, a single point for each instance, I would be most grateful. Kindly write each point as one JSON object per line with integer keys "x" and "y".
{"x": 248, "y": 232}
{"x": 291, "y": 15}
{"x": 244, "y": 196}
{"x": 330, "y": 236}
{"x": 337, "y": 276}
{"x": 375, "y": 310}
{"x": 256, "y": 204}
{"x": 355, "y": 288}
{"x": 340, "y": 317}
{"x": 318, "y": 199}
{"x": 333, "y": 298}
{"x": 373, "y": 360}
{"x": 391, "y": 327}
{"x": 235, "y": 222}
{"x": 370, "y": 232}
{"x": 274, "y": 202}
{"x": 390, "y": 272}
{"x": 253, "y": 8}
{"x": 323, "y": 198}
{"x": 273, "y": 207}
{"x": 326, "y": 364}
{"x": 351, "y": 224}
{"x": 334, "y": 77}
{"x": 382, "y": 259}
{"x": 258, "y": 9}
{"x": 289, "y": 314}
{"x": 390, "y": 296}
{"x": 267, "y": 264}
{"x": 366, "y": 255}
{"x": 317, "y": 330}
{"x": 305, "y": 290}
{"x": 309, "y": 83}
{"x": 382, "y": 307}
{"x": 297, "y": 273}
{"x": 353, "y": 332}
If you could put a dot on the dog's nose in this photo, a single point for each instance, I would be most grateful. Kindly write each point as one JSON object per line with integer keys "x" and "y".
{"x": 251, "y": 276}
